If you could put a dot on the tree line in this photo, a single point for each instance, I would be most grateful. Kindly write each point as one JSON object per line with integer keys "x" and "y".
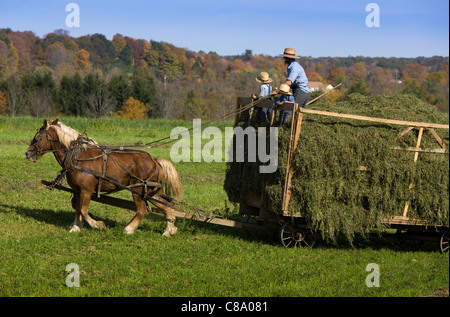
{"x": 135, "y": 78}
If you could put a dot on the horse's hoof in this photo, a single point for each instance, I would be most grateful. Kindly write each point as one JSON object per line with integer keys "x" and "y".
{"x": 128, "y": 230}
{"x": 170, "y": 233}
{"x": 101, "y": 225}
{"x": 75, "y": 229}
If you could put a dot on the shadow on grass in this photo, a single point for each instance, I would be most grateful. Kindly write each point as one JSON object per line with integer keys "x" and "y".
{"x": 379, "y": 241}
{"x": 64, "y": 219}
{"x": 58, "y": 218}
{"x": 372, "y": 241}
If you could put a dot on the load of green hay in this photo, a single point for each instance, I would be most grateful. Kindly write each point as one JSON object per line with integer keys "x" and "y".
{"x": 347, "y": 178}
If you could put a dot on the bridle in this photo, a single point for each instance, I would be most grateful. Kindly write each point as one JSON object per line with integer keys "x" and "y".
{"x": 38, "y": 151}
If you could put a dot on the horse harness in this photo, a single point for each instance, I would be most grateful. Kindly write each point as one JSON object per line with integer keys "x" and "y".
{"x": 72, "y": 157}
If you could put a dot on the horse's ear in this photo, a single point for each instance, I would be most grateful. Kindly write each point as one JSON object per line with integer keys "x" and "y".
{"x": 55, "y": 121}
{"x": 44, "y": 125}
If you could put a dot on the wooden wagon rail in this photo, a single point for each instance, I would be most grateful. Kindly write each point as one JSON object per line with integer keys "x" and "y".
{"x": 373, "y": 119}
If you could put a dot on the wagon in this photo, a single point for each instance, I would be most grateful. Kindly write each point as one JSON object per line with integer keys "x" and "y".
{"x": 294, "y": 231}
{"x": 292, "y": 227}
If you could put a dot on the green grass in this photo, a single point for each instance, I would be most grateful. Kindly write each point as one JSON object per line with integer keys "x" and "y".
{"x": 201, "y": 260}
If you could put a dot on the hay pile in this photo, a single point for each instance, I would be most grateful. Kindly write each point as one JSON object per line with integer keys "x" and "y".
{"x": 329, "y": 188}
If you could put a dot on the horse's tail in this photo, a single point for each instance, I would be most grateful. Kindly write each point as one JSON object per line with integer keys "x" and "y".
{"x": 171, "y": 178}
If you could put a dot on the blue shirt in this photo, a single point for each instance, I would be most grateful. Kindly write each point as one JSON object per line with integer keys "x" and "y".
{"x": 265, "y": 90}
{"x": 285, "y": 98}
{"x": 296, "y": 74}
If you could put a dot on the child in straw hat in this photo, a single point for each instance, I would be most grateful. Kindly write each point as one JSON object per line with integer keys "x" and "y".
{"x": 265, "y": 90}
{"x": 286, "y": 96}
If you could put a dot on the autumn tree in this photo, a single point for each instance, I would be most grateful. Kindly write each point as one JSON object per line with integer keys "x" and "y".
{"x": 133, "y": 109}
{"x": 82, "y": 60}
{"x": 24, "y": 42}
{"x": 119, "y": 42}
{"x": 413, "y": 87}
{"x": 357, "y": 74}
{"x": 313, "y": 75}
{"x": 3, "y": 104}
{"x": 380, "y": 80}
{"x": 166, "y": 61}
{"x": 237, "y": 65}
{"x": 336, "y": 75}
{"x": 213, "y": 105}
{"x": 193, "y": 107}
{"x": 359, "y": 86}
{"x": 436, "y": 85}
{"x": 322, "y": 68}
{"x": 9, "y": 58}
{"x": 414, "y": 71}
{"x": 359, "y": 70}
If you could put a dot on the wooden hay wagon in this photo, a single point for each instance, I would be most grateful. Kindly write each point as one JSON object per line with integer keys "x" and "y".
{"x": 293, "y": 228}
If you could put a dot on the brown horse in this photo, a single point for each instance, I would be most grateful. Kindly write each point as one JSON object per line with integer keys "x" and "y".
{"x": 83, "y": 162}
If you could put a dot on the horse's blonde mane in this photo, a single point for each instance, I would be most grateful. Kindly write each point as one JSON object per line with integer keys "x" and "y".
{"x": 67, "y": 134}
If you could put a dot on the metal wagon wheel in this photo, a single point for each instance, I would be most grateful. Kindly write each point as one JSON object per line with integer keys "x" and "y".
{"x": 443, "y": 242}
{"x": 295, "y": 235}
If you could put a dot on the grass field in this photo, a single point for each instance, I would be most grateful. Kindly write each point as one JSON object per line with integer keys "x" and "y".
{"x": 201, "y": 260}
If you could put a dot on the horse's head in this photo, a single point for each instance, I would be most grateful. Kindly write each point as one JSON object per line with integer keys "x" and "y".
{"x": 41, "y": 143}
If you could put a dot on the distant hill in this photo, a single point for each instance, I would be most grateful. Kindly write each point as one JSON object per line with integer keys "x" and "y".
{"x": 206, "y": 77}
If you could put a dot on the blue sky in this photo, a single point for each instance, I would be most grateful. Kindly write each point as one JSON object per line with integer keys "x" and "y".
{"x": 408, "y": 28}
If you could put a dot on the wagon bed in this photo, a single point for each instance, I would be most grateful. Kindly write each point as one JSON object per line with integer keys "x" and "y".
{"x": 294, "y": 231}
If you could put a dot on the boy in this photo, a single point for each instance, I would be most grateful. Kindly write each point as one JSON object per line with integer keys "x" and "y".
{"x": 265, "y": 90}
{"x": 286, "y": 96}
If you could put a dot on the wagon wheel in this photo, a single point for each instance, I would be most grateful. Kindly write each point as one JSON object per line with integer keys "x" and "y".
{"x": 443, "y": 242}
{"x": 295, "y": 235}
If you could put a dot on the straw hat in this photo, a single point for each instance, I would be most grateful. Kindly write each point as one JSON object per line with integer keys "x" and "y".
{"x": 289, "y": 53}
{"x": 264, "y": 78}
{"x": 285, "y": 90}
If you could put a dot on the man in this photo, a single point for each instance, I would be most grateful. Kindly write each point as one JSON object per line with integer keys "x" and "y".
{"x": 296, "y": 77}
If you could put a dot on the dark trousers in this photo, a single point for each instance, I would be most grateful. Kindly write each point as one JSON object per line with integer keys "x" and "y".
{"x": 284, "y": 117}
{"x": 266, "y": 112}
{"x": 301, "y": 98}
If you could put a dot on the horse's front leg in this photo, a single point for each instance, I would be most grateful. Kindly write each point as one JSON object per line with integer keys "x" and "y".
{"x": 85, "y": 199}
